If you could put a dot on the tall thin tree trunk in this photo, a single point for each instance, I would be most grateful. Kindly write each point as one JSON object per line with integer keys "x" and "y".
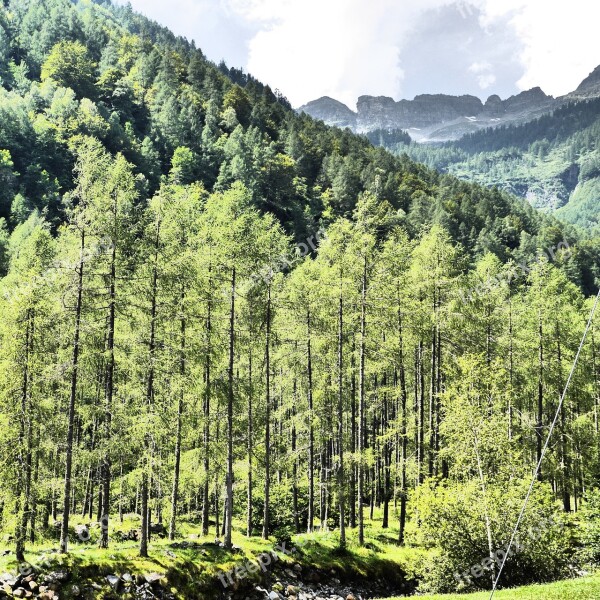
{"x": 206, "y": 409}
{"x": 22, "y": 505}
{"x": 230, "y": 400}
{"x": 540, "y": 399}
{"x": 144, "y": 509}
{"x": 362, "y": 406}
{"x": 250, "y": 447}
{"x": 341, "y": 480}
{"x": 150, "y": 392}
{"x": 64, "y": 534}
{"x": 311, "y": 431}
{"x": 353, "y": 429}
{"x": 295, "y": 461}
{"x": 266, "y": 513}
{"x": 564, "y": 454}
{"x": 403, "y": 431}
{"x": 178, "y": 433}
{"x": 110, "y": 390}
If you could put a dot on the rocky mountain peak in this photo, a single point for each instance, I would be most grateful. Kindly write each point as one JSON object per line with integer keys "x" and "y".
{"x": 590, "y": 86}
{"x": 440, "y": 117}
{"x": 331, "y": 111}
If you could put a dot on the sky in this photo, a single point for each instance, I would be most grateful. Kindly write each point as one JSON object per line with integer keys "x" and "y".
{"x": 398, "y": 48}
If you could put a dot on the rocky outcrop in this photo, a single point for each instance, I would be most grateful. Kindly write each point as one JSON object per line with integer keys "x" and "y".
{"x": 434, "y": 117}
{"x": 331, "y": 111}
{"x": 299, "y": 582}
{"x": 531, "y": 101}
{"x": 423, "y": 111}
{"x": 589, "y": 87}
{"x": 439, "y": 117}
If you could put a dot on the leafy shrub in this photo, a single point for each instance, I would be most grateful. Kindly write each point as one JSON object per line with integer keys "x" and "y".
{"x": 590, "y": 527}
{"x": 450, "y": 520}
{"x": 281, "y": 513}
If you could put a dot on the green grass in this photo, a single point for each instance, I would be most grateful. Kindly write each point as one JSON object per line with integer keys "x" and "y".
{"x": 192, "y": 572}
{"x": 586, "y": 588}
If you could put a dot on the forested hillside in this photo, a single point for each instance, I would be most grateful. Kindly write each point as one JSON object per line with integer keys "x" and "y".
{"x": 218, "y": 311}
{"x": 552, "y": 161}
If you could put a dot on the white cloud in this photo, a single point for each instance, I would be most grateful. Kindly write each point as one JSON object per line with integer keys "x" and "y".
{"x": 485, "y": 77}
{"x": 560, "y": 39}
{"x": 346, "y": 48}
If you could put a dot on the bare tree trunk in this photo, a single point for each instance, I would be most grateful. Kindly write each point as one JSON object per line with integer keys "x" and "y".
{"x": 353, "y": 443}
{"x": 361, "y": 406}
{"x": 149, "y": 393}
{"x": 230, "y": 400}
{"x": 341, "y": 482}
{"x": 206, "y": 409}
{"x": 311, "y": 431}
{"x": 403, "y": 431}
{"x": 540, "y": 400}
{"x": 22, "y": 504}
{"x": 110, "y": 390}
{"x": 266, "y": 513}
{"x": 178, "y": 434}
{"x": 144, "y": 509}
{"x": 250, "y": 447}
{"x": 295, "y": 463}
{"x": 564, "y": 454}
{"x": 64, "y": 534}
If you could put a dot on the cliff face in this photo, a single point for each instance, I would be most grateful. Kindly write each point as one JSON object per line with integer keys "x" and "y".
{"x": 589, "y": 87}
{"x": 423, "y": 111}
{"x": 331, "y": 111}
{"x": 439, "y": 117}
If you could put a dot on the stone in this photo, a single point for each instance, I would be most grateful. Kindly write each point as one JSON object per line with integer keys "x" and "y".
{"x": 75, "y": 591}
{"x": 153, "y": 578}
{"x": 274, "y": 596}
{"x": 57, "y": 577}
{"x": 113, "y": 581}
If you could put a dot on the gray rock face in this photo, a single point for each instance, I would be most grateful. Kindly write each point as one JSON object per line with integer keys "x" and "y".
{"x": 589, "y": 87}
{"x": 331, "y": 111}
{"x": 439, "y": 117}
{"x": 423, "y": 111}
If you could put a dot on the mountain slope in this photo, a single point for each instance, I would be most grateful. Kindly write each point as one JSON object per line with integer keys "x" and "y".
{"x": 553, "y": 162}
{"x": 155, "y": 98}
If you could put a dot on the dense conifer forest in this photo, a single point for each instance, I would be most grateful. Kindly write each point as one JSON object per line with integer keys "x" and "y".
{"x": 216, "y": 311}
{"x": 552, "y": 161}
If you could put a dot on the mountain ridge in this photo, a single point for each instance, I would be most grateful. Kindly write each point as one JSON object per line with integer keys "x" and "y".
{"x": 444, "y": 117}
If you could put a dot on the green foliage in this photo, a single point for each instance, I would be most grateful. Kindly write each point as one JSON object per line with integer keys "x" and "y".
{"x": 450, "y": 520}
{"x": 69, "y": 65}
{"x": 149, "y": 278}
{"x": 551, "y": 161}
{"x": 590, "y": 525}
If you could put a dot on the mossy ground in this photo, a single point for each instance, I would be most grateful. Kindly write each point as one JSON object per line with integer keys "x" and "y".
{"x": 191, "y": 569}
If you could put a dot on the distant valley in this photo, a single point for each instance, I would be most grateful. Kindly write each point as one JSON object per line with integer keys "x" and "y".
{"x": 535, "y": 146}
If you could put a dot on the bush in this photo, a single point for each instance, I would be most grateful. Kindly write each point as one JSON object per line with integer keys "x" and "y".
{"x": 281, "y": 513}
{"x": 450, "y": 520}
{"x": 590, "y": 527}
